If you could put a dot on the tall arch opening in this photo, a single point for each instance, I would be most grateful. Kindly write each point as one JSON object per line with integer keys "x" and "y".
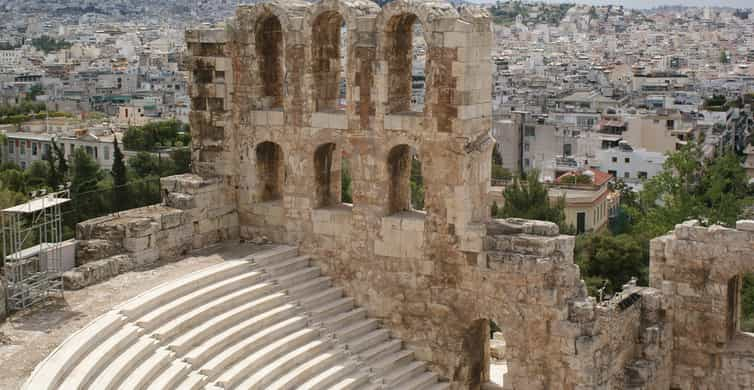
{"x": 270, "y": 56}
{"x": 406, "y": 186}
{"x": 270, "y": 167}
{"x": 327, "y": 176}
{"x": 406, "y": 54}
{"x": 329, "y": 61}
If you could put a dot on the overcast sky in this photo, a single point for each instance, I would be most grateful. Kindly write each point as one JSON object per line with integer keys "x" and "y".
{"x": 650, "y": 3}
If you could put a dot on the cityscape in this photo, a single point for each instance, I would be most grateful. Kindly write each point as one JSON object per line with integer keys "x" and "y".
{"x": 357, "y": 194}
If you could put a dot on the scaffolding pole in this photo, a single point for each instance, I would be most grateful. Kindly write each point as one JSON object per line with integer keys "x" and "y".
{"x": 32, "y": 249}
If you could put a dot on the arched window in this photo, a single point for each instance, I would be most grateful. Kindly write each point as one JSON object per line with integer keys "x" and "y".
{"x": 326, "y": 178}
{"x": 270, "y": 53}
{"x": 406, "y": 190}
{"x": 329, "y": 61}
{"x": 270, "y": 171}
{"x": 406, "y": 54}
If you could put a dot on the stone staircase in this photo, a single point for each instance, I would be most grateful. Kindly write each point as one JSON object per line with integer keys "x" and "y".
{"x": 270, "y": 321}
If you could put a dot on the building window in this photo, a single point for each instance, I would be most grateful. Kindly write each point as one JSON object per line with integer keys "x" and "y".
{"x": 45, "y": 149}
{"x": 642, "y": 175}
{"x": 527, "y": 163}
{"x": 615, "y": 159}
{"x": 34, "y": 149}
{"x": 22, "y": 148}
{"x": 403, "y": 31}
{"x": 73, "y": 149}
{"x": 567, "y": 149}
{"x": 11, "y": 147}
{"x": 106, "y": 150}
{"x": 327, "y": 65}
{"x": 627, "y": 175}
{"x": 270, "y": 171}
{"x": 613, "y": 173}
{"x": 526, "y": 147}
{"x": 270, "y": 54}
{"x": 530, "y": 131}
{"x": 627, "y": 160}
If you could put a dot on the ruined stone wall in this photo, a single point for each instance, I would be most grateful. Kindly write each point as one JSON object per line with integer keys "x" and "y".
{"x": 699, "y": 269}
{"x": 269, "y": 144}
{"x": 434, "y": 276}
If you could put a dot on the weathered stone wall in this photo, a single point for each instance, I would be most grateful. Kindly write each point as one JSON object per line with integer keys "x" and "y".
{"x": 699, "y": 269}
{"x": 269, "y": 143}
{"x": 195, "y": 213}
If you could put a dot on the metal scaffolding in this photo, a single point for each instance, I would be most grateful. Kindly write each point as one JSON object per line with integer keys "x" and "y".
{"x": 32, "y": 256}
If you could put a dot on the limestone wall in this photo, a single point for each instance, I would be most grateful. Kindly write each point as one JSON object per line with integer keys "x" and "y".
{"x": 195, "y": 213}
{"x": 699, "y": 269}
{"x": 270, "y": 143}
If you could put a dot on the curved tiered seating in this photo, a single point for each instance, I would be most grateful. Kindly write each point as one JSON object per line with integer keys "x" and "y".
{"x": 270, "y": 321}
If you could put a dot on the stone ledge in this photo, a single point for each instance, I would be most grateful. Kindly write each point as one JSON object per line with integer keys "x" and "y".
{"x": 511, "y": 226}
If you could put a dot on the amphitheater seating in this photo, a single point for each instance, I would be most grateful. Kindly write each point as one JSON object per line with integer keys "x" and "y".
{"x": 270, "y": 321}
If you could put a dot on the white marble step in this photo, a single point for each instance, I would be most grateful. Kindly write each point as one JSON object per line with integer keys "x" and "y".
{"x": 274, "y": 255}
{"x": 381, "y": 350}
{"x": 305, "y": 371}
{"x": 201, "y": 353}
{"x": 405, "y": 372}
{"x": 100, "y": 357}
{"x": 309, "y": 285}
{"x": 202, "y": 330}
{"x": 193, "y": 381}
{"x": 189, "y": 301}
{"x": 345, "y": 319}
{"x": 163, "y": 294}
{"x": 286, "y": 363}
{"x": 353, "y": 383}
{"x": 355, "y": 330}
{"x": 331, "y": 309}
{"x": 259, "y": 359}
{"x": 420, "y": 382}
{"x": 368, "y": 340}
{"x": 287, "y": 267}
{"x": 171, "y": 377}
{"x": 303, "y": 281}
{"x": 246, "y": 347}
{"x": 48, "y": 374}
{"x": 184, "y": 322}
{"x": 332, "y": 375}
{"x": 119, "y": 368}
{"x": 392, "y": 361}
{"x": 319, "y": 298}
{"x": 147, "y": 370}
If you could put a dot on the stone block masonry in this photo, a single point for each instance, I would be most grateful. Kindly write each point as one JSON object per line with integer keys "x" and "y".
{"x": 269, "y": 146}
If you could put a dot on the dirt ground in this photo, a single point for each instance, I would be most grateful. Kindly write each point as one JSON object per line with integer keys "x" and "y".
{"x": 29, "y": 336}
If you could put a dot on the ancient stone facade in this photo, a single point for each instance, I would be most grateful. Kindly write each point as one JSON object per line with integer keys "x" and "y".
{"x": 269, "y": 145}
{"x": 699, "y": 270}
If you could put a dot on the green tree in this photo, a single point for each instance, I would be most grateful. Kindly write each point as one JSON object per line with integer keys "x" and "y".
{"x": 610, "y": 261}
{"x": 120, "y": 180}
{"x": 417, "y": 185}
{"x": 34, "y": 91}
{"x": 724, "y": 57}
{"x": 85, "y": 173}
{"x": 62, "y": 163}
{"x": 37, "y": 174}
{"x": 346, "y": 194}
{"x": 531, "y": 200}
{"x": 53, "y": 176}
{"x": 146, "y": 164}
{"x": 181, "y": 160}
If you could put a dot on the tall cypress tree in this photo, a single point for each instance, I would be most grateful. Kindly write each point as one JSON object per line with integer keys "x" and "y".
{"x": 53, "y": 177}
{"x": 120, "y": 179}
{"x": 62, "y": 163}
